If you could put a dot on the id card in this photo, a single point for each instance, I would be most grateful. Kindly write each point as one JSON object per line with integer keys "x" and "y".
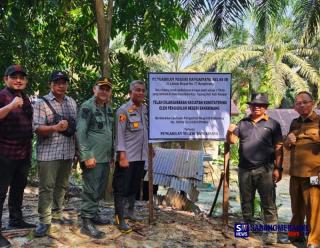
{"x": 315, "y": 180}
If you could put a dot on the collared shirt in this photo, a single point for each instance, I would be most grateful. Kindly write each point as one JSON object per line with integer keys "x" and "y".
{"x": 257, "y": 141}
{"x": 305, "y": 153}
{"x": 94, "y": 131}
{"x": 132, "y": 131}
{"x": 55, "y": 146}
{"x": 16, "y": 127}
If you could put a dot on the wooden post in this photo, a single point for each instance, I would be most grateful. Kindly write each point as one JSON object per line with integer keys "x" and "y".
{"x": 226, "y": 186}
{"x": 150, "y": 181}
{"x": 217, "y": 194}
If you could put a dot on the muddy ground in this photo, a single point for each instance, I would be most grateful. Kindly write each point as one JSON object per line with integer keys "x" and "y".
{"x": 171, "y": 229}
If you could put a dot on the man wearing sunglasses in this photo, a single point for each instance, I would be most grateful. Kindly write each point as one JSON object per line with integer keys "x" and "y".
{"x": 260, "y": 162}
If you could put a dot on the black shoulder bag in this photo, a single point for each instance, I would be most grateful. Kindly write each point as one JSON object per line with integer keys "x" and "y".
{"x": 70, "y": 131}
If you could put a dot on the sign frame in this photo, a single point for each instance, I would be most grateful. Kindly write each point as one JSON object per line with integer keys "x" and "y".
{"x": 190, "y": 73}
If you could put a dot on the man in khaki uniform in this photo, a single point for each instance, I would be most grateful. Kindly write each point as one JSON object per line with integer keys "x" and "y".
{"x": 132, "y": 152}
{"x": 303, "y": 142}
{"x": 95, "y": 138}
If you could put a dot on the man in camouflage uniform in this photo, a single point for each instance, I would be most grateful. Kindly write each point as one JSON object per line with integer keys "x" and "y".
{"x": 94, "y": 134}
{"x": 131, "y": 148}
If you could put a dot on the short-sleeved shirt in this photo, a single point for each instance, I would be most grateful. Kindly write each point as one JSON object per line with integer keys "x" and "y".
{"x": 94, "y": 131}
{"x": 132, "y": 131}
{"x": 305, "y": 154}
{"x": 257, "y": 141}
{"x": 55, "y": 146}
{"x": 16, "y": 127}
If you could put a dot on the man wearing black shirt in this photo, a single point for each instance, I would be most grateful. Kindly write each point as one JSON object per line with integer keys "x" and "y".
{"x": 260, "y": 161}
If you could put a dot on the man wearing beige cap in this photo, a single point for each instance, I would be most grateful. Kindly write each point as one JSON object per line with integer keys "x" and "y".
{"x": 94, "y": 134}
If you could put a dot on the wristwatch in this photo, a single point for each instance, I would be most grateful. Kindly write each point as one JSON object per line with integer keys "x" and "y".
{"x": 279, "y": 168}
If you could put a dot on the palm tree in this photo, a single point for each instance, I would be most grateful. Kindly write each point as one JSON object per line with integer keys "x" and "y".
{"x": 225, "y": 14}
{"x": 273, "y": 67}
{"x": 189, "y": 50}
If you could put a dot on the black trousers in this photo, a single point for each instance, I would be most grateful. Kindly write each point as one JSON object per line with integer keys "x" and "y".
{"x": 13, "y": 173}
{"x": 126, "y": 181}
{"x": 145, "y": 190}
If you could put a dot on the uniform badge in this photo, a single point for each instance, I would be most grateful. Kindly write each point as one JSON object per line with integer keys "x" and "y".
{"x": 130, "y": 110}
{"x": 85, "y": 113}
{"x": 122, "y": 117}
{"x": 136, "y": 124}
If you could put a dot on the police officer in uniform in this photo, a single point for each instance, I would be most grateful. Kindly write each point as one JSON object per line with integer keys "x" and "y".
{"x": 131, "y": 148}
{"x": 95, "y": 139}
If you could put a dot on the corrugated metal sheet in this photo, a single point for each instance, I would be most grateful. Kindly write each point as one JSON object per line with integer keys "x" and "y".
{"x": 177, "y": 168}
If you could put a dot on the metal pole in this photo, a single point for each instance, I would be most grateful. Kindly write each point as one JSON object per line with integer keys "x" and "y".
{"x": 150, "y": 181}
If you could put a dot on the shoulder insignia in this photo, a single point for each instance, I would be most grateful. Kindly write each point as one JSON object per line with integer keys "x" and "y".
{"x": 135, "y": 124}
{"x": 122, "y": 117}
{"x": 85, "y": 113}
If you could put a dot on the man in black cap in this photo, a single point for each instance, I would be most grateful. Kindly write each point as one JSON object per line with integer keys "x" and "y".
{"x": 260, "y": 162}
{"x": 15, "y": 145}
{"x": 55, "y": 150}
{"x": 95, "y": 140}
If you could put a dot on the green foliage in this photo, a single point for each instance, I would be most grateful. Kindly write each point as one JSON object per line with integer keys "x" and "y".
{"x": 150, "y": 25}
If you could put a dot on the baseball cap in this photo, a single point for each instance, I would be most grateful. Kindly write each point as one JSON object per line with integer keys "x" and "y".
{"x": 15, "y": 69}
{"x": 104, "y": 81}
{"x": 56, "y": 75}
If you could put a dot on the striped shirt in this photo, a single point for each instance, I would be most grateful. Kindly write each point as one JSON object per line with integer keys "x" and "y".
{"x": 55, "y": 146}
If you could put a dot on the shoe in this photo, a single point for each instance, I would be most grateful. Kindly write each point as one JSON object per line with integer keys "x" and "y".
{"x": 131, "y": 216}
{"x": 89, "y": 229}
{"x": 4, "y": 243}
{"x": 62, "y": 221}
{"x": 13, "y": 224}
{"x": 99, "y": 220}
{"x": 41, "y": 230}
{"x": 121, "y": 224}
{"x": 270, "y": 239}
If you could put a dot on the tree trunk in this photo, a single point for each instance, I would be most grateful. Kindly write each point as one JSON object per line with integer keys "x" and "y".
{"x": 104, "y": 33}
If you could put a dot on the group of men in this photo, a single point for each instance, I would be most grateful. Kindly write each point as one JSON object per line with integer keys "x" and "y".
{"x": 57, "y": 123}
{"x": 260, "y": 166}
{"x": 63, "y": 132}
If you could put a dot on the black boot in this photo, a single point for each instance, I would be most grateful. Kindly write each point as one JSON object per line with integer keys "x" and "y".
{"x": 4, "y": 243}
{"x": 130, "y": 214}
{"x": 41, "y": 230}
{"x": 119, "y": 215}
{"x": 19, "y": 223}
{"x": 89, "y": 229}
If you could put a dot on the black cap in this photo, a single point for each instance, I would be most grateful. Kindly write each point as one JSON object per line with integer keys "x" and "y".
{"x": 56, "y": 75}
{"x": 104, "y": 81}
{"x": 15, "y": 69}
{"x": 259, "y": 98}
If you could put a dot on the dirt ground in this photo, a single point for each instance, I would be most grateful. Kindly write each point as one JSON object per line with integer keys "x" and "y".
{"x": 171, "y": 229}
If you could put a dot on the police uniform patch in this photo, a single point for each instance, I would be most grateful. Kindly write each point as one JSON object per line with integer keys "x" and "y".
{"x": 122, "y": 117}
{"x": 136, "y": 124}
{"x": 85, "y": 113}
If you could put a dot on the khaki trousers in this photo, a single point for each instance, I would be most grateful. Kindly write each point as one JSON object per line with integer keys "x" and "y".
{"x": 53, "y": 176}
{"x": 305, "y": 202}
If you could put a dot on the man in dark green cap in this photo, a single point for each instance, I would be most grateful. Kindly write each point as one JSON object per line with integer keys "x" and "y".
{"x": 95, "y": 139}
